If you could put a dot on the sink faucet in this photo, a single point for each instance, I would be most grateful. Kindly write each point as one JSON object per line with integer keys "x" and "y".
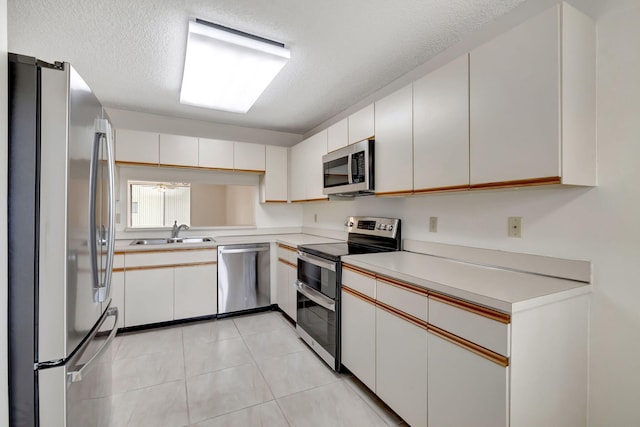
{"x": 176, "y": 229}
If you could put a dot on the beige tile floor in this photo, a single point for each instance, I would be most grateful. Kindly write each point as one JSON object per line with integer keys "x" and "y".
{"x": 245, "y": 371}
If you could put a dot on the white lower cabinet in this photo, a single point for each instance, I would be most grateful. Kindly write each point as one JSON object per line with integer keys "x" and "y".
{"x": 148, "y": 296}
{"x": 465, "y": 389}
{"x": 358, "y": 338}
{"x": 401, "y": 367}
{"x": 117, "y": 295}
{"x": 286, "y": 290}
{"x": 195, "y": 291}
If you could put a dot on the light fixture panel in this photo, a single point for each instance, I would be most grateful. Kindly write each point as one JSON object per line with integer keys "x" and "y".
{"x": 227, "y": 71}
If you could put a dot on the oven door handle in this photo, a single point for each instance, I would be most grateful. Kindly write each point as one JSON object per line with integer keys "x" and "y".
{"x": 317, "y": 261}
{"x": 316, "y": 296}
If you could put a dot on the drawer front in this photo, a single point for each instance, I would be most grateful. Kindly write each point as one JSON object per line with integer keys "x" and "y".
{"x": 118, "y": 262}
{"x": 287, "y": 253}
{"x": 154, "y": 258}
{"x": 484, "y": 331}
{"x": 411, "y": 302}
{"x": 363, "y": 282}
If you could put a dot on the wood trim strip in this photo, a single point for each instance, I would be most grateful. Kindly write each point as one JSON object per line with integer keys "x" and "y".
{"x": 287, "y": 247}
{"x": 359, "y": 295}
{"x": 250, "y": 170}
{"x": 150, "y": 251}
{"x": 311, "y": 200}
{"x": 402, "y": 285}
{"x": 519, "y": 183}
{"x": 405, "y": 316}
{"x": 119, "y": 252}
{"x": 275, "y": 201}
{"x": 472, "y": 308}
{"x": 118, "y": 270}
{"x": 394, "y": 193}
{"x": 359, "y": 271}
{"x": 154, "y": 267}
{"x": 290, "y": 264}
{"x": 442, "y": 189}
{"x": 126, "y": 163}
{"x": 470, "y": 346}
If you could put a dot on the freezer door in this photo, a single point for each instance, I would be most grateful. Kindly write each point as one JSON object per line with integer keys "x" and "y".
{"x": 78, "y": 394}
{"x": 70, "y": 247}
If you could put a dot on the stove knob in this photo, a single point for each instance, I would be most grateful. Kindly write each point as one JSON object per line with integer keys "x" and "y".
{"x": 348, "y": 224}
{"x": 384, "y": 227}
{"x": 379, "y": 227}
{"x": 390, "y": 228}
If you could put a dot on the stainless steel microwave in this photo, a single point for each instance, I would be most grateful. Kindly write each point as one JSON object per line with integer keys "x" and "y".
{"x": 348, "y": 171}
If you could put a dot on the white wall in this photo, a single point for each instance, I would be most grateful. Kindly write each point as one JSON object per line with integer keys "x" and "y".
{"x": 3, "y": 214}
{"x": 599, "y": 224}
{"x": 134, "y": 120}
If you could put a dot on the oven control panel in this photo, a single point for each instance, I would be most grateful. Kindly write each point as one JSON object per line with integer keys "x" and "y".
{"x": 383, "y": 227}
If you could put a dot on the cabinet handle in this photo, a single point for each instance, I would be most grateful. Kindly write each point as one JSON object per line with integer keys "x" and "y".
{"x": 494, "y": 357}
{"x": 472, "y": 308}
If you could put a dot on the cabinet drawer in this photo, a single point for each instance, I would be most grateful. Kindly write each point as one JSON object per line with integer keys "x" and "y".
{"x": 482, "y": 326}
{"x": 359, "y": 280}
{"x": 169, "y": 258}
{"x": 287, "y": 253}
{"x": 402, "y": 297}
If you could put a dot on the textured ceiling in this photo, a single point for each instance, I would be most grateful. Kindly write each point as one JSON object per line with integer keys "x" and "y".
{"x": 131, "y": 52}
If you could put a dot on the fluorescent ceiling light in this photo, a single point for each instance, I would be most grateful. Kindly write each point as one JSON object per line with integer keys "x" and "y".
{"x": 225, "y": 69}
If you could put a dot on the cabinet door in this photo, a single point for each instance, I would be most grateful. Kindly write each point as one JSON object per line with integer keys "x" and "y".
{"x": 314, "y": 173}
{"x": 215, "y": 153}
{"x": 148, "y": 296}
{"x": 441, "y": 128}
{"x": 248, "y": 157}
{"x": 465, "y": 389}
{"x": 195, "y": 291}
{"x": 273, "y": 184}
{"x": 514, "y": 103}
{"x": 292, "y": 305}
{"x": 338, "y": 135}
{"x": 362, "y": 124}
{"x": 282, "y": 287}
{"x": 178, "y": 150}
{"x": 401, "y": 367}
{"x": 358, "y": 338}
{"x": 297, "y": 179}
{"x": 117, "y": 296}
{"x": 137, "y": 147}
{"x": 394, "y": 143}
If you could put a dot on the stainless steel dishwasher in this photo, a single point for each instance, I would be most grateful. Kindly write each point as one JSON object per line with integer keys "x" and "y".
{"x": 243, "y": 277}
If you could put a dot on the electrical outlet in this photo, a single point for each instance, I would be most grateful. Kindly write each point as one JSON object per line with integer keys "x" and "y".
{"x": 515, "y": 226}
{"x": 433, "y": 224}
{"x": 118, "y": 218}
{"x": 315, "y": 217}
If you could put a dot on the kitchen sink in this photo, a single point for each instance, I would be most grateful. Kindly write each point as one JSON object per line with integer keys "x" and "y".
{"x": 172, "y": 240}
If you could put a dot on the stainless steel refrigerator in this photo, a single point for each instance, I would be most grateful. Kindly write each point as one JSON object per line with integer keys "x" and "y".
{"x": 61, "y": 241}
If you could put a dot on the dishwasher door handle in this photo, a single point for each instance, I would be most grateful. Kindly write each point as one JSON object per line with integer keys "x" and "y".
{"x": 243, "y": 250}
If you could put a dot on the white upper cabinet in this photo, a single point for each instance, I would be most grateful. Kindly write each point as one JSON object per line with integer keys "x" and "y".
{"x": 314, "y": 169}
{"x": 306, "y": 180}
{"x": 394, "y": 143}
{"x": 248, "y": 157}
{"x": 137, "y": 147}
{"x": 362, "y": 124}
{"x": 178, "y": 150}
{"x": 273, "y": 184}
{"x": 338, "y": 135}
{"x": 441, "y": 128}
{"x": 532, "y": 103}
{"x": 215, "y": 153}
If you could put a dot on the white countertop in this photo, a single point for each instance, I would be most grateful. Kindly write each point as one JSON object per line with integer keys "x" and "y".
{"x": 294, "y": 239}
{"x": 504, "y": 290}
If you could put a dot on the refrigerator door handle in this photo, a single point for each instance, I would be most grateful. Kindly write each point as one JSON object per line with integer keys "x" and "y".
{"x": 98, "y": 235}
{"x": 79, "y": 370}
{"x": 93, "y": 227}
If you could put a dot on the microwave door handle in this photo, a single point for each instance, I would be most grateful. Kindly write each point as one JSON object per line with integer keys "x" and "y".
{"x": 349, "y": 169}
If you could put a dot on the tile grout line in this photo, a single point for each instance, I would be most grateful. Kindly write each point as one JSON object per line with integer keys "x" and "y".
{"x": 184, "y": 367}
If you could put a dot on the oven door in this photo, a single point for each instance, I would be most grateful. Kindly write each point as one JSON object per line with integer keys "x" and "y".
{"x": 317, "y": 322}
